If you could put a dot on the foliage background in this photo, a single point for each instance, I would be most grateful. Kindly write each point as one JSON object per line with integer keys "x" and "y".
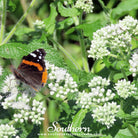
{"x": 64, "y": 31}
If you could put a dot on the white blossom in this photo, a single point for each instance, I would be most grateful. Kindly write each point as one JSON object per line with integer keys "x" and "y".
{"x": 125, "y": 89}
{"x": 7, "y": 131}
{"x": 98, "y": 94}
{"x": 61, "y": 82}
{"x": 39, "y": 25}
{"x": 106, "y": 114}
{"x": 34, "y": 113}
{"x": 85, "y": 5}
{"x": 113, "y": 39}
{"x": 134, "y": 64}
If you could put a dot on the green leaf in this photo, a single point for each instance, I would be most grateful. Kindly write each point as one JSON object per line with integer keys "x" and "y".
{"x": 11, "y": 5}
{"x": 123, "y": 8}
{"x": 18, "y": 50}
{"x": 89, "y": 28}
{"x": 65, "y": 23}
{"x": 67, "y": 12}
{"x": 124, "y": 133}
{"x": 98, "y": 66}
{"x": 50, "y": 22}
{"x": 77, "y": 121}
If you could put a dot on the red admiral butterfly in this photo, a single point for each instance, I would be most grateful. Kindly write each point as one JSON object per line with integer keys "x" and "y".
{"x": 32, "y": 70}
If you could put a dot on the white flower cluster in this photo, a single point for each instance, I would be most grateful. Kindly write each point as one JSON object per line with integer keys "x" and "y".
{"x": 130, "y": 24}
{"x": 35, "y": 114}
{"x": 112, "y": 39}
{"x": 99, "y": 81}
{"x": 1, "y": 70}
{"x": 125, "y": 89}
{"x": 106, "y": 114}
{"x": 22, "y": 102}
{"x": 85, "y": 5}
{"x": 7, "y": 131}
{"x": 134, "y": 64}
{"x": 9, "y": 85}
{"x": 61, "y": 82}
{"x": 84, "y": 100}
{"x": 98, "y": 94}
{"x": 39, "y": 25}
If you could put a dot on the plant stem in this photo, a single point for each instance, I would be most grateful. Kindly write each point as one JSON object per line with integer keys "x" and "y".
{"x": 18, "y": 23}
{"x": 77, "y": 66}
{"x": 83, "y": 47}
{"x": 132, "y": 131}
{"x": 2, "y": 30}
{"x": 29, "y": 17}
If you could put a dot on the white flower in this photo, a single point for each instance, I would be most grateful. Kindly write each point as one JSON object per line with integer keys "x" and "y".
{"x": 134, "y": 64}
{"x": 1, "y": 70}
{"x": 106, "y": 114}
{"x": 39, "y": 25}
{"x": 85, "y": 5}
{"x": 84, "y": 100}
{"x": 7, "y": 131}
{"x": 34, "y": 113}
{"x": 113, "y": 39}
{"x": 129, "y": 24}
{"x": 98, "y": 94}
{"x": 61, "y": 82}
{"x": 125, "y": 89}
{"x": 98, "y": 81}
{"x": 10, "y": 84}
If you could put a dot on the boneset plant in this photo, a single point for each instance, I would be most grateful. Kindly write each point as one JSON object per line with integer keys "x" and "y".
{"x": 92, "y": 64}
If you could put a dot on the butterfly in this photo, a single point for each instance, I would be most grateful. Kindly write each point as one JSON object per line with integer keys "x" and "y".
{"x": 32, "y": 69}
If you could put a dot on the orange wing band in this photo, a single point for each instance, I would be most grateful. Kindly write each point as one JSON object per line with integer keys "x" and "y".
{"x": 40, "y": 68}
{"x": 44, "y": 77}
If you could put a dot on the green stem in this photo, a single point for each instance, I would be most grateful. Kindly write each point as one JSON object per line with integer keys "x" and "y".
{"x": 132, "y": 131}
{"x": 106, "y": 10}
{"x": 2, "y": 30}
{"x": 18, "y": 23}
{"x": 83, "y": 47}
{"x": 77, "y": 66}
{"x": 112, "y": 55}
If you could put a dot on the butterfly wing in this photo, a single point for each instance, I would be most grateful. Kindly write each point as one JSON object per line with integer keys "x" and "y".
{"x": 32, "y": 69}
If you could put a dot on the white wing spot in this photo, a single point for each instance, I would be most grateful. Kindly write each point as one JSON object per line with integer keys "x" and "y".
{"x": 32, "y": 54}
{"x": 40, "y": 57}
{"x": 37, "y": 50}
{"x": 38, "y": 60}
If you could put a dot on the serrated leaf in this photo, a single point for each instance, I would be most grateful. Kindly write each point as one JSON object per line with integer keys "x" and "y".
{"x": 18, "y": 50}
{"x": 123, "y": 8}
{"x": 50, "y": 22}
{"x": 89, "y": 28}
{"x": 67, "y": 12}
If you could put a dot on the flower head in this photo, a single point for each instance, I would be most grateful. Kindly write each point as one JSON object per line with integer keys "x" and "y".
{"x": 39, "y": 25}
{"x": 112, "y": 39}
{"x": 106, "y": 114}
{"x": 98, "y": 94}
{"x": 61, "y": 82}
{"x": 7, "y": 131}
{"x": 85, "y": 5}
{"x": 134, "y": 64}
{"x": 125, "y": 89}
{"x": 34, "y": 113}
